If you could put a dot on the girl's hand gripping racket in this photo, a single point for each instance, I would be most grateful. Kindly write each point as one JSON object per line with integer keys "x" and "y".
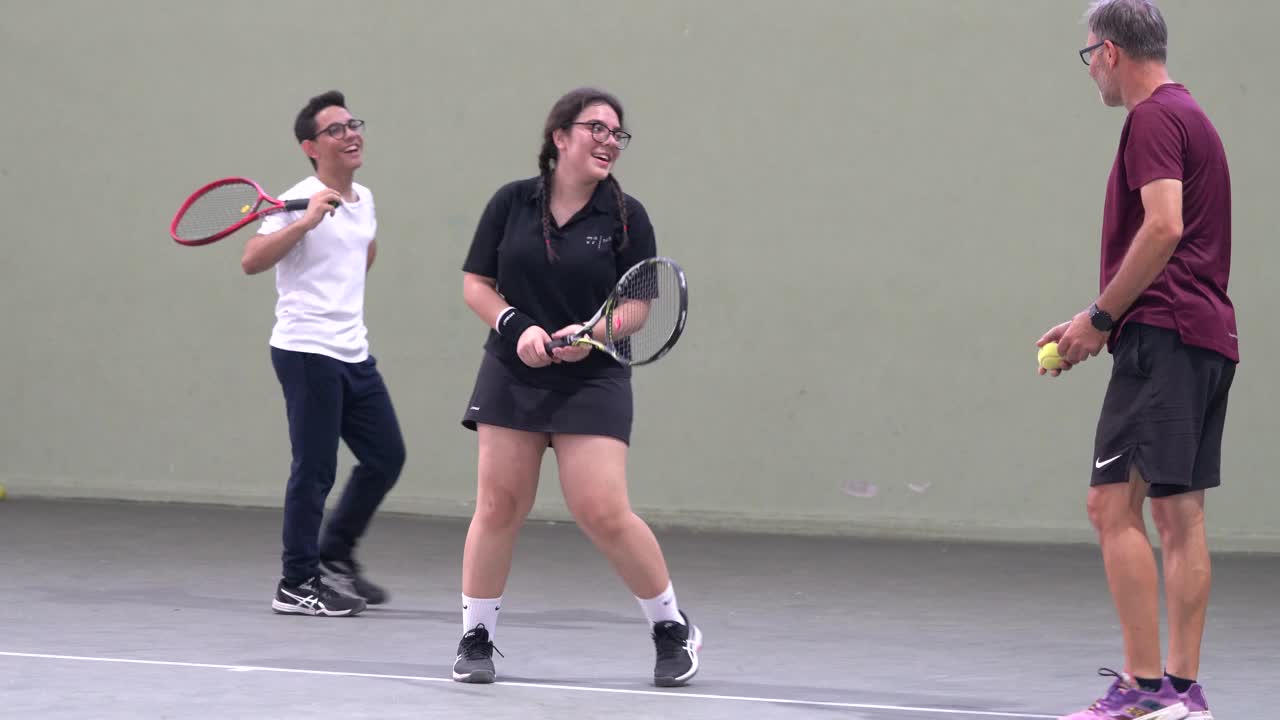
{"x": 224, "y": 206}
{"x": 642, "y": 318}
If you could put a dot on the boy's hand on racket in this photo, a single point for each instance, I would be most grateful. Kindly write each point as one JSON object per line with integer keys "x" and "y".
{"x": 570, "y": 353}
{"x": 323, "y": 202}
{"x": 531, "y": 347}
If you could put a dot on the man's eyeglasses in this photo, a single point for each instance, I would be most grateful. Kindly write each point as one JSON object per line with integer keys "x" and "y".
{"x": 601, "y": 132}
{"x": 337, "y": 130}
{"x": 1086, "y": 54}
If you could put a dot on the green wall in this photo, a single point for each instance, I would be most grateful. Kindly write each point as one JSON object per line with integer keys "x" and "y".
{"x": 880, "y": 206}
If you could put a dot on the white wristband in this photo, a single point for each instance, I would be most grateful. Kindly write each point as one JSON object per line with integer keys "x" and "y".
{"x": 497, "y": 323}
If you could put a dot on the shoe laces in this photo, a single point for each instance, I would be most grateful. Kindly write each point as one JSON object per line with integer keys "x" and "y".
{"x": 323, "y": 590}
{"x": 476, "y": 644}
{"x": 1121, "y": 684}
{"x": 669, "y": 638}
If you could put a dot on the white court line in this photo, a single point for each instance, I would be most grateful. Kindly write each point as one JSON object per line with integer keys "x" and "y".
{"x": 541, "y": 686}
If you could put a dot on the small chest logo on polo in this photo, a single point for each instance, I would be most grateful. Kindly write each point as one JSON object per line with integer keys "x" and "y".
{"x": 600, "y": 242}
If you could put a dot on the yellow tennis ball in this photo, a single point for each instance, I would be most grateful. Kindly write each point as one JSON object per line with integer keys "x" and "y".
{"x": 244, "y": 209}
{"x": 1048, "y": 356}
{"x": 1, "y": 492}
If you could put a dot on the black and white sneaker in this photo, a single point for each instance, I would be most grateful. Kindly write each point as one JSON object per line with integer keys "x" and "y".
{"x": 677, "y": 646}
{"x": 475, "y": 657}
{"x": 314, "y": 597}
{"x": 346, "y": 577}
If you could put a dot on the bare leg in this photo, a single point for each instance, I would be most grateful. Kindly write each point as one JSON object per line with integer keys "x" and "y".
{"x": 1116, "y": 512}
{"x": 594, "y": 480}
{"x": 507, "y": 485}
{"x": 1187, "y": 577}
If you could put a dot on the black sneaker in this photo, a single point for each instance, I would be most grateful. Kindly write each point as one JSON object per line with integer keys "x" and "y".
{"x": 346, "y": 577}
{"x": 314, "y": 597}
{"x": 475, "y": 657}
{"x": 677, "y": 647}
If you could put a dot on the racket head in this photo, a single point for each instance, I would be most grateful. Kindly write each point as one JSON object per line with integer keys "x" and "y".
{"x": 219, "y": 209}
{"x": 645, "y": 315}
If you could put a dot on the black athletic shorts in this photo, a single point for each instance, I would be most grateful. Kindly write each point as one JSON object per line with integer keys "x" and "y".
{"x": 1164, "y": 412}
{"x": 545, "y": 400}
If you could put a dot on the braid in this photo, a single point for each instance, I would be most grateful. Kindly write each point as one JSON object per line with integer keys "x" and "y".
{"x": 544, "y": 186}
{"x": 562, "y": 116}
{"x": 622, "y": 211}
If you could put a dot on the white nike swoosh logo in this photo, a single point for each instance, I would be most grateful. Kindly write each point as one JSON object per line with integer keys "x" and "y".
{"x": 1099, "y": 464}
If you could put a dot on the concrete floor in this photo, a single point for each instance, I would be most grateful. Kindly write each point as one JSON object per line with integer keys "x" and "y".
{"x": 116, "y": 610}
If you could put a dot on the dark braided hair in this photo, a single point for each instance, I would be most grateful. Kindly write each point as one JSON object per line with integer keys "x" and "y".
{"x": 561, "y": 117}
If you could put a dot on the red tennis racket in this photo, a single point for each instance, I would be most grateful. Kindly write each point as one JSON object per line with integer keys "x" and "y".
{"x": 224, "y": 206}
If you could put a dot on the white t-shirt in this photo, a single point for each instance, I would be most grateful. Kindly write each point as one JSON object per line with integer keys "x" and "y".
{"x": 320, "y": 281}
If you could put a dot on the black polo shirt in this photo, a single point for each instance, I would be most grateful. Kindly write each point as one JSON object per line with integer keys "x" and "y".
{"x": 508, "y": 246}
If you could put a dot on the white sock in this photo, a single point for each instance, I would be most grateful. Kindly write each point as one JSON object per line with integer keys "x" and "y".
{"x": 662, "y": 608}
{"x": 480, "y": 611}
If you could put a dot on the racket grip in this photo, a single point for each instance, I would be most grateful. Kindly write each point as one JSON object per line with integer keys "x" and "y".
{"x": 302, "y": 203}
{"x": 558, "y": 343}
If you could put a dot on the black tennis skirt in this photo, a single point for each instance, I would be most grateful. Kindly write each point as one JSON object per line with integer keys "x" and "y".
{"x": 547, "y": 401}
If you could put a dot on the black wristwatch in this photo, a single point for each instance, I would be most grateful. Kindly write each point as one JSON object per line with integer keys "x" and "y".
{"x": 1101, "y": 319}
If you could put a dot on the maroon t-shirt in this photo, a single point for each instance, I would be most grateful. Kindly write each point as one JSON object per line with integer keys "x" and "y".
{"x": 1169, "y": 136}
